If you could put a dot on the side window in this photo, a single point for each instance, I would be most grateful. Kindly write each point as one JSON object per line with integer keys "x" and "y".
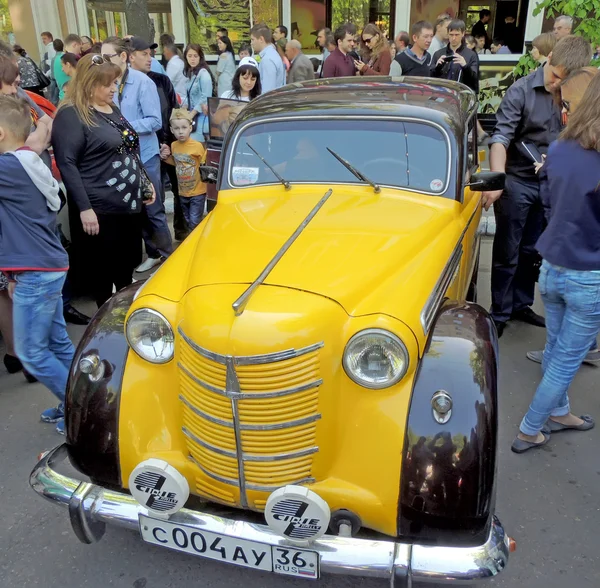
{"x": 472, "y": 148}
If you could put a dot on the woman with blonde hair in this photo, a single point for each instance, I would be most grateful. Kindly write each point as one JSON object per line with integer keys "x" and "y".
{"x": 97, "y": 152}
{"x": 380, "y": 58}
{"x": 569, "y": 279}
{"x": 542, "y": 46}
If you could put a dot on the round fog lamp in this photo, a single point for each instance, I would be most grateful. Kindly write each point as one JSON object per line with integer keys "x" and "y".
{"x": 375, "y": 359}
{"x": 441, "y": 403}
{"x": 150, "y": 335}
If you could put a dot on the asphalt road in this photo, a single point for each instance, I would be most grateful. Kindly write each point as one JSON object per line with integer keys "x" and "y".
{"x": 547, "y": 499}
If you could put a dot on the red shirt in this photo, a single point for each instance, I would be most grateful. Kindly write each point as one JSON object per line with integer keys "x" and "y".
{"x": 338, "y": 65}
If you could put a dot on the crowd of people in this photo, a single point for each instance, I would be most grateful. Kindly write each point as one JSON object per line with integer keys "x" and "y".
{"x": 126, "y": 122}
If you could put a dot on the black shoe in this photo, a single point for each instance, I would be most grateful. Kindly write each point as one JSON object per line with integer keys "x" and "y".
{"x": 12, "y": 364}
{"x": 181, "y": 235}
{"x": 31, "y": 379}
{"x": 528, "y": 316}
{"x": 73, "y": 316}
{"x": 500, "y": 326}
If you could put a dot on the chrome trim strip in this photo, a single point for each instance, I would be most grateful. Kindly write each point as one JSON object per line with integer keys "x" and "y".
{"x": 448, "y": 274}
{"x": 229, "y": 424}
{"x": 233, "y": 385}
{"x": 250, "y": 359}
{"x": 216, "y": 357}
{"x": 222, "y": 479}
{"x": 349, "y": 556}
{"x": 203, "y": 415}
{"x": 234, "y": 141}
{"x": 208, "y": 446}
{"x": 276, "y": 356}
{"x": 239, "y": 305}
{"x": 279, "y": 426}
{"x": 250, "y": 395}
{"x": 439, "y": 291}
{"x": 201, "y": 382}
{"x": 280, "y": 456}
{"x": 256, "y": 487}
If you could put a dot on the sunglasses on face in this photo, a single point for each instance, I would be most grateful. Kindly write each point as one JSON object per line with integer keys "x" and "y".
{"x": 105, "y": 57}
{"x": 566, "y": 106}
{"x": 368, "y": 41}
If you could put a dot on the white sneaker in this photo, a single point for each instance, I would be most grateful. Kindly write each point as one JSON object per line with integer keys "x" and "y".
{"x": 148, "y": 264}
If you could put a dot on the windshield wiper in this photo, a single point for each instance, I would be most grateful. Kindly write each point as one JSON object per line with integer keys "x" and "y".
{"x": 284, "y": 182}
{"x": 354, "y": 171}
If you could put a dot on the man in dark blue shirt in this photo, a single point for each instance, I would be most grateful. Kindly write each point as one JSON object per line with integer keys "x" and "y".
{"x": 529, "y": 119}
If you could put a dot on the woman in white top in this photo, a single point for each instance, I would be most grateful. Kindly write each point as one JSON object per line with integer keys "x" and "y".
{"x": 225, "y": 65}
{"x": 245, "y": 85}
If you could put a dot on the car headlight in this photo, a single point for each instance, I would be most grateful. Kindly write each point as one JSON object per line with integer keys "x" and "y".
{"x": 150, "y": 335}
{"x": 375, "y": 358}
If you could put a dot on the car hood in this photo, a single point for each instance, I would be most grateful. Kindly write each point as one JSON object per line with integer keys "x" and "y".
{"x": 358, "y": 246}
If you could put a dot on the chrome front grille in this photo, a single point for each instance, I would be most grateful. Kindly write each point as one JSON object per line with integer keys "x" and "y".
{"x": 249, "y": 421}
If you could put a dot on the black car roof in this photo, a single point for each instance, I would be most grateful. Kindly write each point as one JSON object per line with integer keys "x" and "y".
{"x": 445, "y": 102}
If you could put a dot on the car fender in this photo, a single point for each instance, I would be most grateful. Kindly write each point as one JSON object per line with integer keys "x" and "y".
{"x": 448, "y": 471}
{"x": 92, "y": 407}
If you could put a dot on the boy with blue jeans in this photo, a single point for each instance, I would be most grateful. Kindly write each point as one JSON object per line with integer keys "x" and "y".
{"x": 187, "y": 155}
{"x": 32, "y": 257}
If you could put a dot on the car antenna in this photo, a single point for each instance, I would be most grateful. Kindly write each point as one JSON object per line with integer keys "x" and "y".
{"x": 284, "y": 182}
{"x": 354, "y": 171}
{"x": 239, "y": 305}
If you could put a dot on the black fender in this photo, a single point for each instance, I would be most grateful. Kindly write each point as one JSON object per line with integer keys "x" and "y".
{"x": 92, "y": 408}
{"x": 447, "y": 488}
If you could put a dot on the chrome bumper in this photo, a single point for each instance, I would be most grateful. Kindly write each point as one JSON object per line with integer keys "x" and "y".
{"x": 397, "y": 564}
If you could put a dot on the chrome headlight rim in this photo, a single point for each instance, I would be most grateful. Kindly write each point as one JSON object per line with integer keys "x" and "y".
{"x": 375, "y": 385}
{"x": 154, "y": 360}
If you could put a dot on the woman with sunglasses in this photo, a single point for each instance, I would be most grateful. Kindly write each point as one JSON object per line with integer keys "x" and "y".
{"x": 569, "y": 279}
{"x": 380, "y": 58}
{"x": 97, "y": 152}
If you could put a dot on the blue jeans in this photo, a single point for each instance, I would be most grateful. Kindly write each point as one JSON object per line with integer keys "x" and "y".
{"x": 41, "y": 340}
{"x": 157, "y": 236}
{"x": 572, "y": 303}
{"x": 193, "y": 209}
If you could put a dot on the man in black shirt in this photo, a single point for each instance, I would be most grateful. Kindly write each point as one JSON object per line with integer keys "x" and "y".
{"x": 528, "y": 120}
{"x": 456, "y": 61}
{"x": 479, "y": 29}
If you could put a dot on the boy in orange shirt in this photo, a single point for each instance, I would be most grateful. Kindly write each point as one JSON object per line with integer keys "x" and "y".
{"x": 187, "y": 155}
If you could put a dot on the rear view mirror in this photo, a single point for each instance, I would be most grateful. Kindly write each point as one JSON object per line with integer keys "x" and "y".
{"x": 487, "y": 181}
{"x": 208, "y": 174}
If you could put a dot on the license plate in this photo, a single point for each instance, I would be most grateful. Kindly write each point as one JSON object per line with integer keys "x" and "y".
{"x": 289, "y": 561}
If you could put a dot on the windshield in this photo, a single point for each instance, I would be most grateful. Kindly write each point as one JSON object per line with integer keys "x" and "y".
{"x": 401, "y": 154}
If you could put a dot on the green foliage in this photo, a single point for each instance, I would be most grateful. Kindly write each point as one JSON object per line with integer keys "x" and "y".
{"x": 584, "y": 11}
{"x": 524, "y": 66}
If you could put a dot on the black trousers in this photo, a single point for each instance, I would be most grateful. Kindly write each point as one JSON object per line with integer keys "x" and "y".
{"x": 113, "y": 254}
{"x": 180, "y": 227}
{"x": 519, "y": 223}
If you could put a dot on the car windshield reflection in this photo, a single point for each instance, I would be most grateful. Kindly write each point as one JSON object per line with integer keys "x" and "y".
{"x": 401, "y": 154}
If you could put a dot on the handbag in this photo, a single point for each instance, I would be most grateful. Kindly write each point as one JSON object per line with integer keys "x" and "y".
{"x": 146, "y": 185}
{"x": 43, "y": 79}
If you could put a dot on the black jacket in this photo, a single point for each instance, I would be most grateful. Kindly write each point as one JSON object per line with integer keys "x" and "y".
{"x": 468, "y": 75}
{"x": 168, "y": 101}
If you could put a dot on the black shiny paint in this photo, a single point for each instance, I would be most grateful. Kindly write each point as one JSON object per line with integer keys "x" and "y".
{"x": 92, "y": 408}
{"x": 447, "y": 481}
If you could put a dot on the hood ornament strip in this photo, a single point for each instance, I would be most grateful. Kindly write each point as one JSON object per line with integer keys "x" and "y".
{"x": 240, "y": 304}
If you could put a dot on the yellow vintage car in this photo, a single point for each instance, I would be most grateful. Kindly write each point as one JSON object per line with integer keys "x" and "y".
{"x": 303, "y": 386}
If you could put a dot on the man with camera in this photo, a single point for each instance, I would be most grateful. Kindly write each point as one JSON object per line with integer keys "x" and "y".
{"x": 456, "y": 61}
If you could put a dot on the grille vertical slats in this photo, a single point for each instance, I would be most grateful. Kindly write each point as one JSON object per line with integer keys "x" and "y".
{"x": 269, "y": 421}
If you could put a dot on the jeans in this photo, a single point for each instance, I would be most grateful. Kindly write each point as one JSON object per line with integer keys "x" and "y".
{"x": 157, "y": 236}
{"x": 572, "y": 303}
{"x": 519, "y": 223}
{"x": 41, "y": 340}
{"x": 193, "y": 209}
